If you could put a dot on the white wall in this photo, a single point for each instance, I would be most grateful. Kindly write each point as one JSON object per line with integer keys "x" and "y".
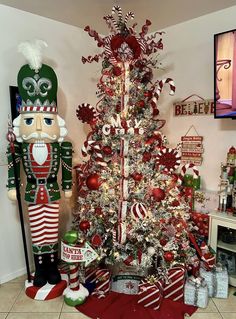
{"x": 77, "y": 84}
{"x": 188, "y": 57}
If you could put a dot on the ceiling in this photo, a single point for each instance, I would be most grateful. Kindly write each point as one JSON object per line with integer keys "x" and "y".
{"x": 162, "y": 13}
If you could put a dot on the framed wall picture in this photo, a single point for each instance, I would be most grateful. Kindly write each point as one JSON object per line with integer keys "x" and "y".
{"x": 15, "y": 100}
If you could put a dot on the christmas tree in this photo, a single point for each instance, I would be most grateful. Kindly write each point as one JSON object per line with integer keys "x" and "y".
{"x": 131, "y": 206}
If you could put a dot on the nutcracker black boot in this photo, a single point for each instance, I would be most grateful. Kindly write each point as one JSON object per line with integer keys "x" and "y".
{"x": 40, "y": 276}
{"x": 53, "y": 274}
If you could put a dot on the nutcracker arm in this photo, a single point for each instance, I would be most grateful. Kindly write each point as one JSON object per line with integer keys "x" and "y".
{"x": 66, "y": 159}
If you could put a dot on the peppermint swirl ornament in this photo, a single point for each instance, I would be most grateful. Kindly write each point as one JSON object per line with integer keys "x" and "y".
{"x": 86, "y": 113}
{"x": 169, "y": 159}
{"x": 138, "y": 211}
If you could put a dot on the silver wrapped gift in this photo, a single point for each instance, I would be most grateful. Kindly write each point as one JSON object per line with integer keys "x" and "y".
{"x": 196, "y": 292}
{"x": 217, "y": 281}
{"x": 125, "y": 279}
{"x": 127, "y": 283}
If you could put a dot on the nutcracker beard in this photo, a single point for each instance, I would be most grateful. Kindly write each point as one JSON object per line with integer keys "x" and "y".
{"x": 44, "y": 220}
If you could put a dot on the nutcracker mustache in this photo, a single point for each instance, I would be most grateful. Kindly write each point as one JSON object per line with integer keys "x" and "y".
{"x": 39, "y": 136}
{"x": 20, "y": 137}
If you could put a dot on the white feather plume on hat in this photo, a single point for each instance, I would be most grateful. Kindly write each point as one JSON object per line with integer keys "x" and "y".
{"x": 32, "y": 51}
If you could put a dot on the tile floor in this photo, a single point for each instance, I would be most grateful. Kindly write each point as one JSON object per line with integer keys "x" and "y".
{"x": 14, "y": 304}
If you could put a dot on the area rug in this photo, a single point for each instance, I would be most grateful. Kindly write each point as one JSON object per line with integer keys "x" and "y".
{"x": 121, "y": 306}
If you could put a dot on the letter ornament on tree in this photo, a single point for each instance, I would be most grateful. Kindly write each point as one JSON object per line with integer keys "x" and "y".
{"x": 40, "y": 132}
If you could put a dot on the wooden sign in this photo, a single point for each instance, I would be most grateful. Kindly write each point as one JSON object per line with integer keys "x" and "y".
{"x": 191, "y": 150}
{"x": 75, "y": 254}
{"x": 190, "y": 108}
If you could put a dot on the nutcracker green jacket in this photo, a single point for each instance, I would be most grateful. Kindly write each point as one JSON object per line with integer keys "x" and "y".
{"x": 42, "y": 186}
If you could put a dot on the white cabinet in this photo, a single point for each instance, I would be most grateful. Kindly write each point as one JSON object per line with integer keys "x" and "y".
{"x": 222, "y": 219}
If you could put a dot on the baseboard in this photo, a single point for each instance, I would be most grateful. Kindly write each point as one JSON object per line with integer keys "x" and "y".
{"x": 13, "y": 275}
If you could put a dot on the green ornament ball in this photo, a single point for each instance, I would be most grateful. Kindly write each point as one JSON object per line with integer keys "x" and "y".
{"x": 71, "y": 237}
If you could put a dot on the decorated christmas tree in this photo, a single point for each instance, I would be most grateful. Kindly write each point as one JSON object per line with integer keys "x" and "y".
{"x": 131, "y": 207}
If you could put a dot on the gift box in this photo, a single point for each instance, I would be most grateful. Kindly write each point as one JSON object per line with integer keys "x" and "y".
{"x": 127, "y": 283}
{"x": 125, "y": 279}
{"x": 174, "y": 286}
{"x": 150, "y": 294}
{"x": 202, "y": 222}
{"x": 190, "y": 181}
{"x": 196, "y": 292}
{"x": 102, "y": 280}
{"x": 217, "y": 281}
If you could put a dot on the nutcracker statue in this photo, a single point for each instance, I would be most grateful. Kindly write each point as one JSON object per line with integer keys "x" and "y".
{"x": 40, "y": 132}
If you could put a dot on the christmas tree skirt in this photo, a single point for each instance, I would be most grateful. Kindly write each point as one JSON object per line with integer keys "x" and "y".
{"x": 121, "y": 306}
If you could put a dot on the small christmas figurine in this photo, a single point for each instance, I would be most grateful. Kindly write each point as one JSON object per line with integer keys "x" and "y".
{"x": 227, "y": 183}
{"x": 231, "y": 156}
{"x": 39, "y": 132}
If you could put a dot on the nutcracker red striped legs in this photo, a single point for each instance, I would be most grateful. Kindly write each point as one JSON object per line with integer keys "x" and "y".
{"x": 43, "y": 220}
{"x": 76, "y": 293}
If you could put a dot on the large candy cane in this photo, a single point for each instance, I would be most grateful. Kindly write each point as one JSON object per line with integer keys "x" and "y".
{"x": 74, "y": 277}
{"x": 184, "y": 170}
{"x": 187, "y": 166}
{"x": 160, "y": 85}
{"x": 91, "y": 145}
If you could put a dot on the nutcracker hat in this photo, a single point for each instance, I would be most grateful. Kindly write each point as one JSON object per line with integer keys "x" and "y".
{"x": 37, "y": 82}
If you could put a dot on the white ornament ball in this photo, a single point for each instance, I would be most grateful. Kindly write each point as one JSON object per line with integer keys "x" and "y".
{"x": 151, "y": 251}
{"x": 138, "y": 211}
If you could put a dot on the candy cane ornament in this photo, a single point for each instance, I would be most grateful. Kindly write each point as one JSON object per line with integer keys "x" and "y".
{"x": 118, "y": 10}
{"x": 93, "y": 146}
{"x": 129, "y": 15}
{"x": 160, "y": 85}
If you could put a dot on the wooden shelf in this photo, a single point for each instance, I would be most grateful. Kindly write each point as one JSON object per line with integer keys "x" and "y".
{"x": 230, "y": 247}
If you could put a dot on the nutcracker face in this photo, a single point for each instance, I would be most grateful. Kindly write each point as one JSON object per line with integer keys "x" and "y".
{"x": 39, "y": 127}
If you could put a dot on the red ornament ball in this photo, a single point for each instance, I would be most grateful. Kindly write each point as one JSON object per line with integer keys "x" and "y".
{"x": 107, "y": 150}
{"x": 140, "y": 103}
{"x": 137, "y": 177}
{"x": 117, "y": 71}
{"x": 163, "y": 241}
{"x": 158, "y": 194}
{"x": 84, "y": 225}
{"x": 147, "y": 156}
{"x": 96, "y": 240}
{"x": 168, "y": 256}
{"x": 98, "y": 211}
{"x": 93, "y": 182}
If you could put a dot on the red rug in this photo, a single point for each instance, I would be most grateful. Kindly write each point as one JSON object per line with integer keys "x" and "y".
{"x": 121, "y": 306}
